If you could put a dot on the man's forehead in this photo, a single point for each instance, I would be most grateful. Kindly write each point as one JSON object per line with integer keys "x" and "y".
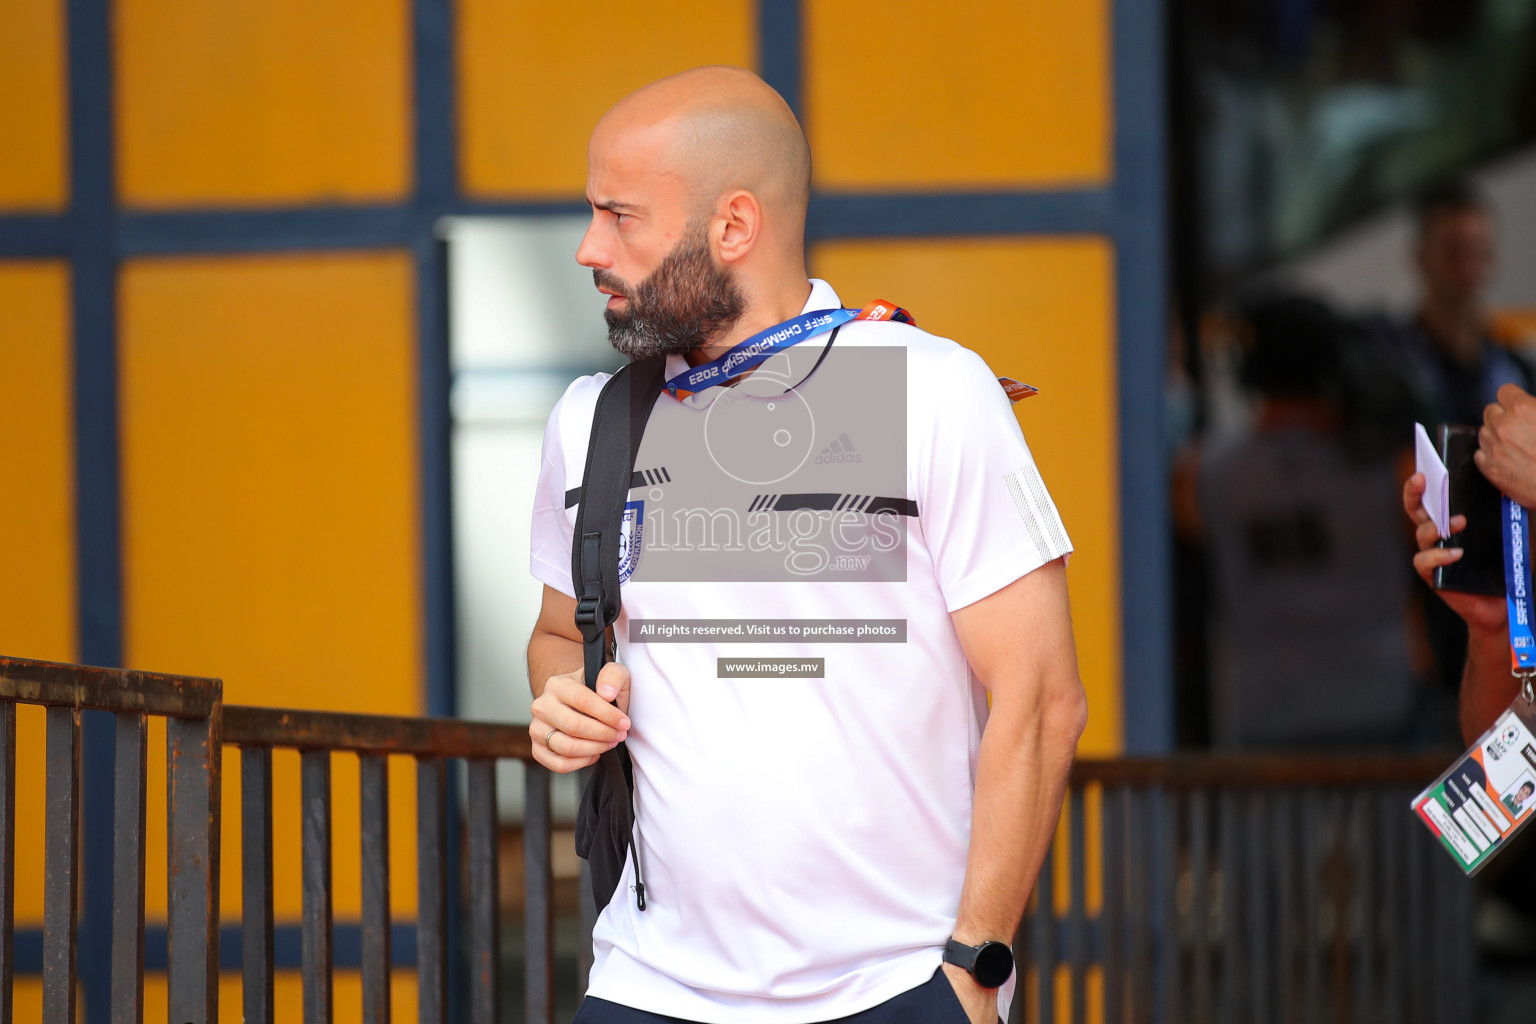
{"x": 632, "y": 169}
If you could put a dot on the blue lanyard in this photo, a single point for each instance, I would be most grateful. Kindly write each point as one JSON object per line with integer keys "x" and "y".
{"x": 1517, "y": 587}
{"x": 756, "y": 349}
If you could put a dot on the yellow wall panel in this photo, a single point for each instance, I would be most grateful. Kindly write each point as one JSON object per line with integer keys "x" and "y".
{"x": 535, "y": 77}
{"x": 287, "y": 996}
{"x": 31, "y": 747}
{"x": 262, "y": 101}
{"x": 270, "y": 514}
{"x": 1040, "y": 310}
{"x": 913, "y": 94}
{"x": 37, "y": 519}
{"x": 33, "y": 137}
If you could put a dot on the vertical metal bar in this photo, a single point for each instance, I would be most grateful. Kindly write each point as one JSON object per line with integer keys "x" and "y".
{"x": 256, "y": 883}
{"x": 1200, "y": 1001}
{"x": 315, "y": 792}
{"x": 1042, "y": 937}
{"x": 1312, "y": 895}
{"x": 374, "y": 784}
{"x": 1168, "y": 933}
{"x": 1363, "y": 872}
{"x": 1138, "y": 892}
{"x": 1113, "y": 914}
{"x": 1284, "y": 845}
{"x": 194, "y": 759}
{"x": 61, "y": 868}
{"x": 130, "y": 780}
{"x": 1233, "y": 945}
{"x": 484, "y": 902}
{"x": 538, "y": 887}
{"x": 1258, "y": 910}
{"x": 1389, "y": 932}
{"x": 431, "y": 890}
{"x": 7, "y": 856}
{"x": 1077, "y": 922}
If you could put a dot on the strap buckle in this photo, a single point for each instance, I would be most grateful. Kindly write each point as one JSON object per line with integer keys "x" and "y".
{"x": 586, "y": 611}
{"x": 1527, "y": 689}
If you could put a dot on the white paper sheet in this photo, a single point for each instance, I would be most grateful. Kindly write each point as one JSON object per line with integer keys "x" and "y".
{"x": 1437, "y": 480}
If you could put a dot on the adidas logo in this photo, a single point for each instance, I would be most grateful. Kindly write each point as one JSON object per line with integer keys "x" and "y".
{"x": 840, "y": 450}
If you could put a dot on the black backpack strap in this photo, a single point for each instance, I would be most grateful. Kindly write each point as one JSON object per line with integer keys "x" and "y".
{"x": 618, "y": 425}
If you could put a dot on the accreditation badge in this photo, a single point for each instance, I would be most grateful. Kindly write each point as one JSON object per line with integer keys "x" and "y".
{"x": 1489, "y": 794}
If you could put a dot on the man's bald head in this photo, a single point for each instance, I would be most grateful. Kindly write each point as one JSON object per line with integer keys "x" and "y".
{"x": 698, "y": 186}
{"x": 718, "y": 130}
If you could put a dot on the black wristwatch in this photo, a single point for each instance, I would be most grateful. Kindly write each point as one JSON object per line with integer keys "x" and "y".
{"x": 990, "y": 963}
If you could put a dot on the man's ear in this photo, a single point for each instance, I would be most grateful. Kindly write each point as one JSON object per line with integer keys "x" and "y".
{"x": 738, "y": 225}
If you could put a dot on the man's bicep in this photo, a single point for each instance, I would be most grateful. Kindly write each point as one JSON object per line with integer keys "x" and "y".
{"x": 557, "y": 615}
{"x": 1020, "y": 636}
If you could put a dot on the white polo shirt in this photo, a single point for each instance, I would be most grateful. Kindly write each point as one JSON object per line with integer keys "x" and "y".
{"x": 805, "y": 725}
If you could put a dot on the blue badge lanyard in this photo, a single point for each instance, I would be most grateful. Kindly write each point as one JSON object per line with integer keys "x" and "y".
{"x": 1517, "y": 589}
{"x": 758, "y": 348}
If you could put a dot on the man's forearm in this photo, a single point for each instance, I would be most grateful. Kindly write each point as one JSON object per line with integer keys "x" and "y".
{"x": 550, "y": 654}
{"x": 1021, "y": 776}
{"x": 1487, "y": 686}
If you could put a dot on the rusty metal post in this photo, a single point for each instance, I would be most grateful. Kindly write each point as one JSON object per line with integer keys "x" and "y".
{"x": 130, "y": 778}
{"x": 7, "y": 856}
{"x": 484, "y": 898}
{"x": 256, "y": 883}
{"x": 432, "y": 890}
{"x": 1113, "y": 809}
{"x": 315, "y": 785}
{"x": 61, "y": 872}
{"x": 538, "y": 888}
{"x": 374, "y": 775}
{"x": 1077, "y": 887}
{"x": 193, "y": 784}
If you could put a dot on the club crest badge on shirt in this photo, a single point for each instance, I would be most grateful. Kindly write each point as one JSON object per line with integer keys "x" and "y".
{"x": 631, "y": 535}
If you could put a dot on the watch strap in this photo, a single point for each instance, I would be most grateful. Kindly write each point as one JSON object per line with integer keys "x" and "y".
{"x": 961, "y": 955}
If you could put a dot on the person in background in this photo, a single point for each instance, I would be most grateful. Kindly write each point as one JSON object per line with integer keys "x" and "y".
{"x": 1448, "y": 354}
{"x": 1507, "y": 457}
{"x": 1308, "y": 634}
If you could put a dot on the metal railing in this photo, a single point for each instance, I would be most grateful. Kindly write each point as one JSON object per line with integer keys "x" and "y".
{"x": 191, "y": 708}
{"x": 434, "y": 744}
{"x": 1270, "y": 890}
{"x": 198, "y": 726}
{"x": 1260, "y": 889}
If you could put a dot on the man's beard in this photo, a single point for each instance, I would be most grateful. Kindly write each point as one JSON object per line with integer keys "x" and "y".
{"x": 684, "y": 303}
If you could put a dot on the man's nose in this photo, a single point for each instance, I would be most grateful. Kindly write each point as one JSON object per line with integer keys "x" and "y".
{"x": 590, "y": 254}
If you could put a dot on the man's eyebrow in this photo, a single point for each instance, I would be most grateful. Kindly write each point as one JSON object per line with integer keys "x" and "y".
{"x": 613, "y": 206}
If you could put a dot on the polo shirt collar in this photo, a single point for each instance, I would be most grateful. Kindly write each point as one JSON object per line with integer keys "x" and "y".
{"x": 781, "y": 371}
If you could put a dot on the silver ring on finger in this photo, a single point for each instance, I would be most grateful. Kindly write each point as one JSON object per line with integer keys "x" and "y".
{"x": 550, "y": 737}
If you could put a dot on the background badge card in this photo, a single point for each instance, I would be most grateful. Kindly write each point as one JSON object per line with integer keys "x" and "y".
{"x": 1487, "y": 796}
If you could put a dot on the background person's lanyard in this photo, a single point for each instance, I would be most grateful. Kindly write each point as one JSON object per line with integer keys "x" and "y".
{"x": 1517, "y": 593}
{"x": 760, "y": 346}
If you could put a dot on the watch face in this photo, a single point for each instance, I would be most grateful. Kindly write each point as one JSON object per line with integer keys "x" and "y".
{"x": 994, "y": 963}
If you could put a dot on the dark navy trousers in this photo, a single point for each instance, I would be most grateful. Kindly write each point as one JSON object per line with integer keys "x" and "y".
{"x": 932, "y": 1002}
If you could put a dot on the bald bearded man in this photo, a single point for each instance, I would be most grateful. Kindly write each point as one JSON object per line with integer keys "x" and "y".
{"x": 839, "y": 554}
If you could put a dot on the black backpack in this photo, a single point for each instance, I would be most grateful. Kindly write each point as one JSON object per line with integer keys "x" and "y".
{"x": 606, "y": 818}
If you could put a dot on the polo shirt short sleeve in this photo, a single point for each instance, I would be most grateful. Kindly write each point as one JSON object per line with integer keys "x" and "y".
{"x": 805, "y": 724}
{"x": 986, "y": 514}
